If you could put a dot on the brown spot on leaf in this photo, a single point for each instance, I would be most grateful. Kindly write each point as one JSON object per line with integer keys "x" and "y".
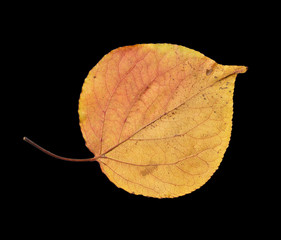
{"x": 209, "y": 71}
{"x": 148, "y": 170}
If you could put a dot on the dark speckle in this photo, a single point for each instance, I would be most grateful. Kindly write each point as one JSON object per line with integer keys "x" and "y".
{"x": 209, "y": 71}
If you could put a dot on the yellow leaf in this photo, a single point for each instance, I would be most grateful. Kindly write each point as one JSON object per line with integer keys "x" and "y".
{"x": 158, "y": 117}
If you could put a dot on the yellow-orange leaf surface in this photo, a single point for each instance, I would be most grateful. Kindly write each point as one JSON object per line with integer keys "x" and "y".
{"x": 158, "y": 117}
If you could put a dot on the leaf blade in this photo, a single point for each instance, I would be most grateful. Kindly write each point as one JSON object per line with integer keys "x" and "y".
{"x": 164, "y": 109}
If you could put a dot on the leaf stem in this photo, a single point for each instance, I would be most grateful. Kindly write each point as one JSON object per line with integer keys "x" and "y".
{"x": 57, "y": 156}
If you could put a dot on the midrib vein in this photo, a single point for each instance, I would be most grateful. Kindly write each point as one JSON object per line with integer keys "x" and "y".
{"x": 111, "y": 149}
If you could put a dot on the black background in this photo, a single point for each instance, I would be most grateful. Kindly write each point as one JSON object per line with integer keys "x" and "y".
{"x": 55, "y": 50}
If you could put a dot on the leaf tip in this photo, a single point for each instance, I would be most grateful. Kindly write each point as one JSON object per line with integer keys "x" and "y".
{"x": 242, "y": 69}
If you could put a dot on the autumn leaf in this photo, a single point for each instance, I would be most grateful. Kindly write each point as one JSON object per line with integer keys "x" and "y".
{"x": 158, "y": 117}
